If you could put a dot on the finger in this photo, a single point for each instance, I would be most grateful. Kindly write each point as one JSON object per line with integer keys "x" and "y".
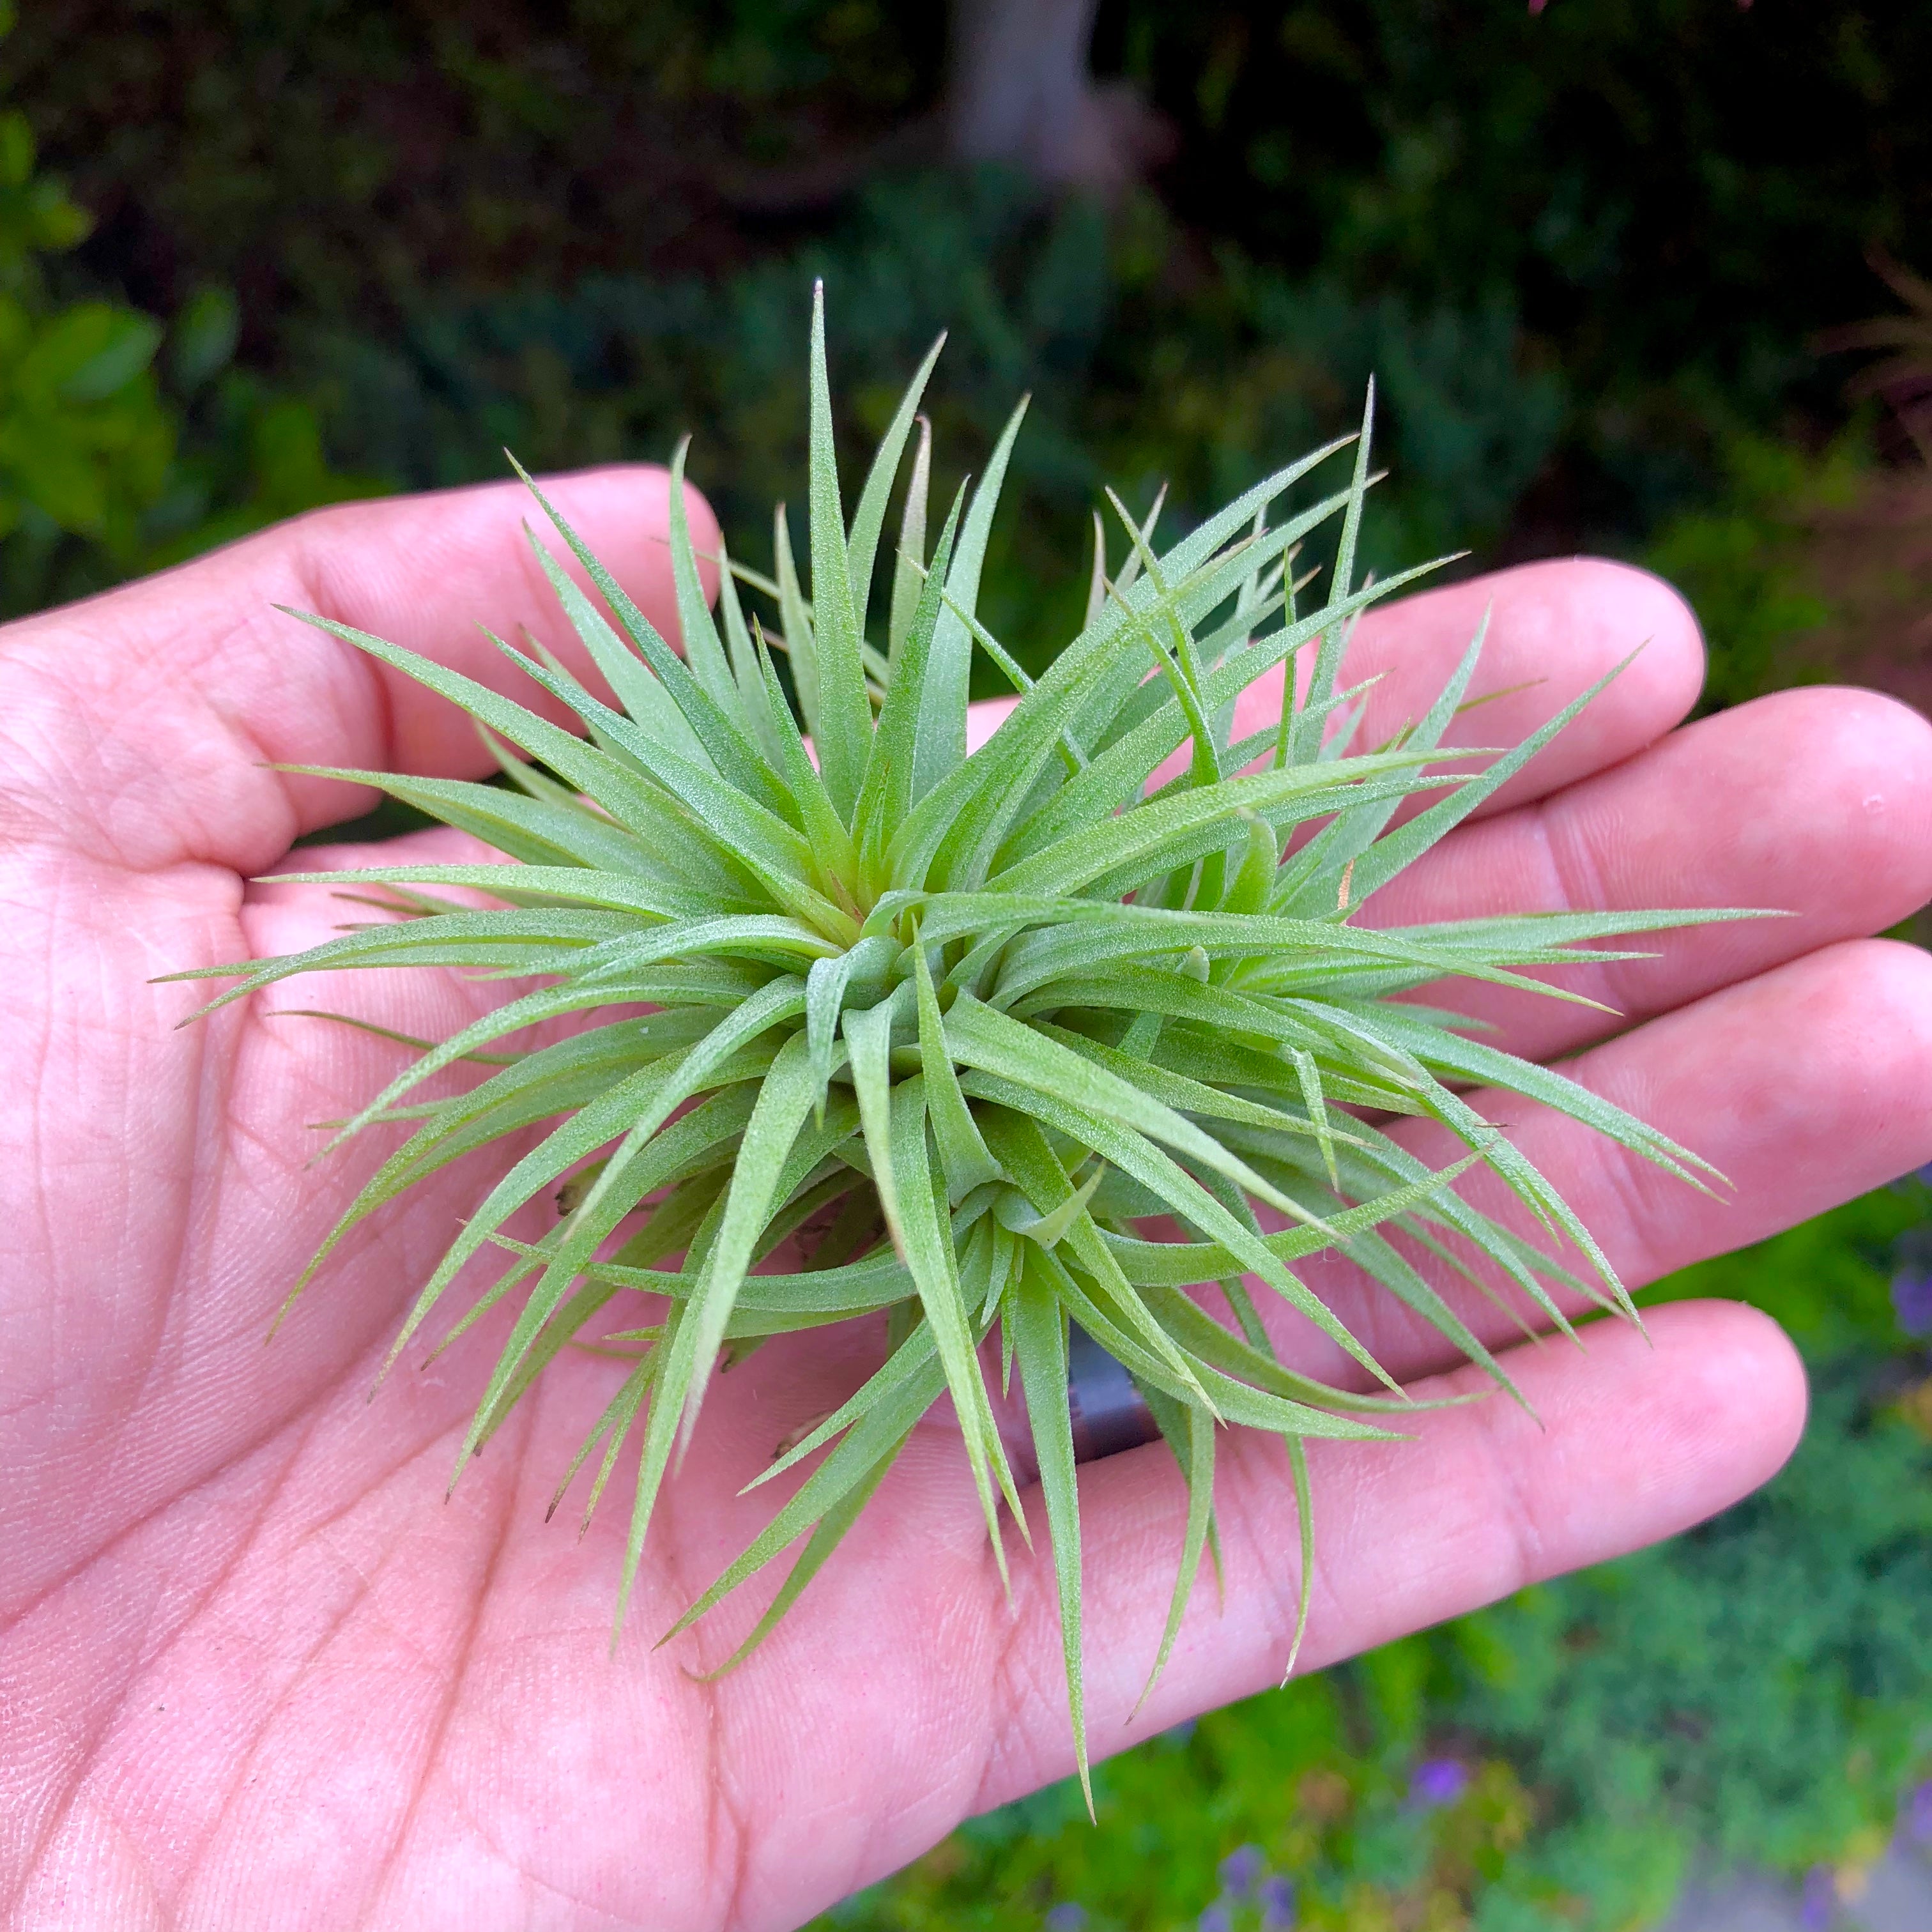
{"x": 1808, "y": 1086}
{"x": 1636, "y": 1441}
{"x": 1554, "y": 628}
{"x": 1818, "y": 803}
{"x": 140, "y": 720}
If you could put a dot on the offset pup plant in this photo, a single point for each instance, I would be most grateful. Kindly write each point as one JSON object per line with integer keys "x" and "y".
{"x": 943, "y": 1033}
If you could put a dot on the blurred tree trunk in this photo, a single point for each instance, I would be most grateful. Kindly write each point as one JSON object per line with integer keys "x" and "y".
{"x": 1021, "y": 91}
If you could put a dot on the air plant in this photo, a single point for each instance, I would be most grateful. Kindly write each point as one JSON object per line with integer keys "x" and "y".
{"x": 986, "y": 1043}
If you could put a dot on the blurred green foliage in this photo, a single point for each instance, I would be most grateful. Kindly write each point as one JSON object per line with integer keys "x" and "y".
{"x": 114, "y": 458}
{"x": 1584, "y": 250}
{"x": 1745, "y": 561}
{"x": 1132, "y": 381}
{"x": 1759, "y": 1689}
{"x": 85, "y": 442}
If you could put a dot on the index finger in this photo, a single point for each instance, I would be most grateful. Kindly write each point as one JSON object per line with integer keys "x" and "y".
{"x": 1553, "y": 629}
{"x": 146, "y": 715}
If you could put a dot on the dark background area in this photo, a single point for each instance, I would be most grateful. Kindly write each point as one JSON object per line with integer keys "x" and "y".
{"x": 1587, "y": 251}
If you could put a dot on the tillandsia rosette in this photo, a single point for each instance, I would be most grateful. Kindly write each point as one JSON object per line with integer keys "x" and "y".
{"x": 984, "y": 1043}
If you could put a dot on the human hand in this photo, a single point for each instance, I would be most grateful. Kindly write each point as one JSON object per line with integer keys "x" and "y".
{"x": 255, "y": 1673}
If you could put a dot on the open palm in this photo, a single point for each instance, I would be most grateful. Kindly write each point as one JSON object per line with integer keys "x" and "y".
{"x": 255, "y": 1672}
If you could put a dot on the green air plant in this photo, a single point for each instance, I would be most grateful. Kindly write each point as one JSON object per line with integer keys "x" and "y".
{"x": 957, "y": 1026}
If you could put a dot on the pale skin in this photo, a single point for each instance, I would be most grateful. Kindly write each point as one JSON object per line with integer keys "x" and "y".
{"x": 255, "y": 1672}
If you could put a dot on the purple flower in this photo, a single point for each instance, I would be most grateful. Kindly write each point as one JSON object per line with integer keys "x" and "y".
{"x": 1819, "y": 1902}
{"x": 1277, "y": 1905}
{"x": 1916, "y": 1815}
{"x": 1911, "y": 1300}
{"x": 1438, "y": 1781}
{"x": 1241, "y": 1871}
{"x": 1068, "y": 1918}
{"x": 1217, "y": 1918}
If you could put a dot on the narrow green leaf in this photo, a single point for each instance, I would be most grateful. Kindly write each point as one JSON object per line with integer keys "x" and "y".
{"x": 1150, "y": 1264}
{"x": 1198, "y": 1466}
{"x": 869, "y": 518}
{"x": 1304, "y": 1512}
{"x": 868, "y": 1039}
{"x": 536, "y": 832}
{"x": 1303, "y": 742}
{"x": 1040, "y": 1346}
{"x": 890, "y": 1407}
{"x": 887, "y": 790}
{"x": 799, "y": 645}
{"x": 907, "y": 582}
{"x": 1310, "y": 1075}
{"x": 638, "y": 689}
{"x": 753, "y": 695}
{"x": 735, "y": 758}
{"x": 1403, "y": 846}
{"x": 784, "y": 1100}
{"x": 962, "y": 1148}
{"x": 826, "y": 988}
{"x": 940, "y": 745}
{"x": 913, "y": 1362}
{"x": 1052, "y": 1228}
{"x": 1470, "y": 1059}
{"x": 1248, "y": 890}
{"x": 544, "y": 939}
{"x": 1154, "y": 836}
{"x": 619, "y": 1414}
{"x": 929, "y": 1254}
{"x": 834, "y": 856}
{"x": 826, "y": 1536}
{"x": 703, "y": 651}
{"x": 844, "y": 731}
